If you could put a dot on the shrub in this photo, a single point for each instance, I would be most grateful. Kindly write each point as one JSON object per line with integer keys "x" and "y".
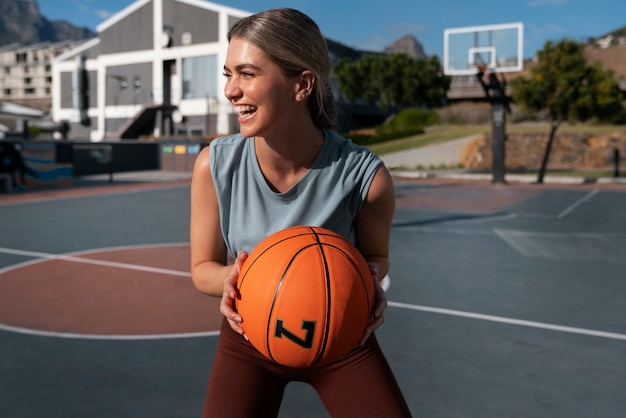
{"x": 406, "y": 123}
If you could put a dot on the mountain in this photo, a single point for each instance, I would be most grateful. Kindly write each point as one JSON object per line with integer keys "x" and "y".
{"x": 621, "y": 32}
{"x": 406, "y": 45}
{"x": 21, "y": 22}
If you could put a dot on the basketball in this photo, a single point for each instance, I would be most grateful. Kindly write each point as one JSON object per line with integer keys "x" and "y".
{"x": 306, "y": 295}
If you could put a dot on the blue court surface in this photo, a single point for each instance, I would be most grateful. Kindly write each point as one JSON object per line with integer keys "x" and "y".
{"x": 505, "y": 301}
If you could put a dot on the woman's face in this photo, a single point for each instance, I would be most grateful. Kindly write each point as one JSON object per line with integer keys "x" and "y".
{"x": 262, "y": 95}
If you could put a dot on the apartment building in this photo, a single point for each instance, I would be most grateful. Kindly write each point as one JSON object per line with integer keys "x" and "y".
{"x": 26, "y": 73}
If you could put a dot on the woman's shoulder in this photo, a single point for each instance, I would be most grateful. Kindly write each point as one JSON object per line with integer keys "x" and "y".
{"x": 232, "y": 139}
{"x": 227, "y": 145}
{"x": 345, "y": 148}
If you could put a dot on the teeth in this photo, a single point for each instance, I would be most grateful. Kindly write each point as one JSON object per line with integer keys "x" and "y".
{"x": 245, "y": 109}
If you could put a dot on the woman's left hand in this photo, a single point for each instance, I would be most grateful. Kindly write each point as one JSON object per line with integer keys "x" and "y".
{"x": 380, "y": 304}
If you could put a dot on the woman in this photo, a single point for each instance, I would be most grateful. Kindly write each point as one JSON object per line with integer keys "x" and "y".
{"x": 286, "y": 167}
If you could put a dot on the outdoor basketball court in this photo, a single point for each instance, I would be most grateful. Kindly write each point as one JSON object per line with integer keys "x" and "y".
{"x": 505, "y": 301}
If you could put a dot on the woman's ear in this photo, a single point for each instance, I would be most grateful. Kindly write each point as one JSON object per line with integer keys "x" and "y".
{"x": 305, "y": 85}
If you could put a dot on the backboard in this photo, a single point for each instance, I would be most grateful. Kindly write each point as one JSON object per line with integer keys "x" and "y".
{"x": 499, "y": 48}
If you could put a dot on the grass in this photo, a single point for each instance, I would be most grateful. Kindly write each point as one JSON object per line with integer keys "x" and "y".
{"x": 433, "y": 135}
{"x": 443, "y": 133}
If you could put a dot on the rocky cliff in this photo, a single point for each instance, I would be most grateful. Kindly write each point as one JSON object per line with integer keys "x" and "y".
{"x": 569, "y": 151}
{"x": 21, "y": 22}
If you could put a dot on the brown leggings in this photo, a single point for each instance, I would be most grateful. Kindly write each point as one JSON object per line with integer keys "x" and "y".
{"x": 243, "y": 383}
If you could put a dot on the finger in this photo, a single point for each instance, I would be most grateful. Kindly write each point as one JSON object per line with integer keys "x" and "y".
{"x": 376, "y": 323}
{"x": 227, "y": 310}
{"x": 373, "y": 269}
{"x": 230, "y": 287}
{"x": 381, "y": 302}
{"x": 241, "y": 258}
{"x": 378, "y": 317}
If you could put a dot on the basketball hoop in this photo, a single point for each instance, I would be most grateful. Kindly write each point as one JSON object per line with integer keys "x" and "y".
{"x": 482, "y": 71}
{"x": 499, "y": 47}
{"x": 482, "y": 68}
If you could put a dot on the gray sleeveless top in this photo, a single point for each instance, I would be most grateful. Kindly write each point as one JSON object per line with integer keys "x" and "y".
{"x": 329, "y": 195}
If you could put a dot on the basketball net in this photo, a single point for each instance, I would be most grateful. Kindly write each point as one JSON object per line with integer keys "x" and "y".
{"x": 483, "y": 70}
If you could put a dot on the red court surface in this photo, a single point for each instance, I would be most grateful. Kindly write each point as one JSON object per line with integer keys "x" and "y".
{"x": 131, "y": 291}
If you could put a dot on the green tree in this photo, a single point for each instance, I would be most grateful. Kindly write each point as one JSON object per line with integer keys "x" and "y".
{"x": 567, "y": 88}
{"x": 354, "y": 80}
{"x": 392, "y": 80}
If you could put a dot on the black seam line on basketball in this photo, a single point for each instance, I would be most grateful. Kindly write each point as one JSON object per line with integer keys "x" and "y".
{"x": 266, "y": 250}
{"x": 240, "y": 285}
{"x": 356, "y": 268}
{"x": 320, "y": 354}
{"x": 276, "y": 292}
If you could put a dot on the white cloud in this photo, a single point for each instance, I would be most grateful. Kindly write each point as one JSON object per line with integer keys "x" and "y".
{"x": 103, "y": 14}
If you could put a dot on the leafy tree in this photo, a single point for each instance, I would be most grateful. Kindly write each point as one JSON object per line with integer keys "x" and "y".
{"x": 353, "y": 78}
{"x": 392, "y": 80}
{"x": 567, "y": 88}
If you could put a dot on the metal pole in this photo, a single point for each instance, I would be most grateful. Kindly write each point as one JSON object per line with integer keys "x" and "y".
{"x": 110, "y": 148}
{"x": 498, "y": 119}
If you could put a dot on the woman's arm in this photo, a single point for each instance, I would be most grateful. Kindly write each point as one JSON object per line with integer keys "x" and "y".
{"x": 373, "y": 223}
{"x": 210, "y": 271}
{"x": 208, "y": 250}
{"x": 373, "y": 229}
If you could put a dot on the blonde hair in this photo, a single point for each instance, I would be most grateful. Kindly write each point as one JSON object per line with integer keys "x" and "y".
{"x": 294, "y": 42}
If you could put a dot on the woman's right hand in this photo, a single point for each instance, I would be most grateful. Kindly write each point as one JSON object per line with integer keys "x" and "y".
{"x": 227, "y": 304}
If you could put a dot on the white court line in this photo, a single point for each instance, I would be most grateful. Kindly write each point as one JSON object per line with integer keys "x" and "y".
{"x": 76, "y": 336}
{"x": 41, "y": 256}
{"x": 463, "y": 314}
{"x": 510, "y": 321}
{"x": 386, "y": 283}
{"x": 580, "y": 201}
{"x": 48, "y": 256}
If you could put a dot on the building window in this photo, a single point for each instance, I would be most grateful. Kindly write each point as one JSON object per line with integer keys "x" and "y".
{"x": 200, "y": 77}
{"x": 20, "y": 57}
{"x": 7, "y": 92}
{"x": 28, "y": 80}
{"x": 48, "y": 68}
{"x": 7, "y": 70}
{"x": 48, "y": 79}
{"x": 29, "y": 91}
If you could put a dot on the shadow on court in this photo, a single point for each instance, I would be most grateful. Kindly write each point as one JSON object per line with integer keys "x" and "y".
{"x": 505, "y": 301}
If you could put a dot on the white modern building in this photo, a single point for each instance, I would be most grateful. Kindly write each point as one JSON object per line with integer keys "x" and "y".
{"x": 154, "y": 69}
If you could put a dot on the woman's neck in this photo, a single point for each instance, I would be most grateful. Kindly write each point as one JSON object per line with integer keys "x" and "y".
{"x": 285, "y": 160}
{"x": 295, "y": 150}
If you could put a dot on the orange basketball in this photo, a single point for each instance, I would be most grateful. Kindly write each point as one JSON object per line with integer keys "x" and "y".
{"x": 305, "y": 295}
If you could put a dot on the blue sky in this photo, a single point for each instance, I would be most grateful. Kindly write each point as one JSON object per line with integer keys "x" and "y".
{"x": 372, "y": 25}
